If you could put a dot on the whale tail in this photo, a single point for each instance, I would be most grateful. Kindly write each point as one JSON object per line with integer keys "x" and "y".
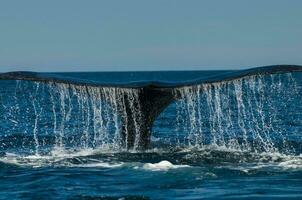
{"x": 140, "y": 104}
{"x": 150, "y": 103}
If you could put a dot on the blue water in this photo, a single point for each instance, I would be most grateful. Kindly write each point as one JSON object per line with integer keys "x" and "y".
{"x": 234, "y": 139}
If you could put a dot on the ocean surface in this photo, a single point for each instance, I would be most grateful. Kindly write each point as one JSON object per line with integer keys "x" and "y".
{"x": 235, "y": 138}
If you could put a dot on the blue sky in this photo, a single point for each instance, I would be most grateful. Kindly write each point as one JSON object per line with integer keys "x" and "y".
{"x": 115, "y": 35}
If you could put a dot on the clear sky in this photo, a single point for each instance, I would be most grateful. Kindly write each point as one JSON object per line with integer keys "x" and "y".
{"x": 114, "y": 35}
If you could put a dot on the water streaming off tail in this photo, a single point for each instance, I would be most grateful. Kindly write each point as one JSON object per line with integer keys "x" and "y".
{"x": 39, "y": 117}
{"x": 251, "y": 114}
{"x": 260, "y": 113}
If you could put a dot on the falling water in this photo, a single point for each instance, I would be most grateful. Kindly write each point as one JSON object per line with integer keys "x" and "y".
{"x": 78, "y": 116}
{"x": 243, "y": 114}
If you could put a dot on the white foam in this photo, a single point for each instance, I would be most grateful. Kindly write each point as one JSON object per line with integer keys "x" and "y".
{"x": 293, "y": 163}
{"x": 98, "y": 164}
{"x": 162, "y": 166}
{"x": 271, "y": 162}
{"x": 58, "y": 157}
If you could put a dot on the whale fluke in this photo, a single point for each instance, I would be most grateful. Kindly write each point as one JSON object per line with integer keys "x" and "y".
{"x": 152, "y": 97}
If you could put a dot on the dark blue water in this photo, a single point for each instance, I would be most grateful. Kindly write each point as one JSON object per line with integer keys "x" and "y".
{"x": 234, "y": 139}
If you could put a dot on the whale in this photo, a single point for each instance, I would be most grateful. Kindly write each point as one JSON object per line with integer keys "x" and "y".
{"x": 153, "y": 96}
